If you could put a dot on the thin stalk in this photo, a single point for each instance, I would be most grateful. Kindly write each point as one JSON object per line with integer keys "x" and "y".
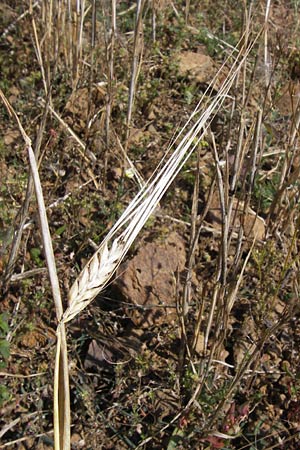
{"x": 110, "y": 50}
{"x": 187, "y": 10}
{"x": 136, "y": 61}
{"x": 222, "y": 275}
{"x": 22, "y": 214}
{"x": 154, "y": 16}
{"x": 267, "y": 61}
{"x": 62, "y": 423}
{"x": 192, "y": 248}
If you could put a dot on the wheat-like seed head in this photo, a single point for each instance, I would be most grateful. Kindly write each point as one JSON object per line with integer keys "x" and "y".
{"x": 98, "y": 271}
{"x": 94, "y": 277}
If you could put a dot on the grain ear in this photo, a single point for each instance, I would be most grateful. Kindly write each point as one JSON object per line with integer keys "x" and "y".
{"x": 93, "y": 278}
{"x": 103, "y": 264}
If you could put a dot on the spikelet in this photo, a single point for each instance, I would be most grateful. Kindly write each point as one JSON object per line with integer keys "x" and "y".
{"x": 94, "y": 277}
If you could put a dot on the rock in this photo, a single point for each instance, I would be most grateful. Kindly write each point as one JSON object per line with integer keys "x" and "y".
{"x": 33, "y": 339}
{"x": 138, "y": 136}
{"x": 253, "y": 225}
{"x": 77, "y": 441}
{"x": 198, "y": 66}
{"x": 152, "y": 129}
{"x": 289, "y": 99}
{"x": 150, "y": 281}
{"x": 81, "y": 106}
{"x": 11, "y": 136}
{"x": 78, "y": 103}
{"x": 200, "y": 343}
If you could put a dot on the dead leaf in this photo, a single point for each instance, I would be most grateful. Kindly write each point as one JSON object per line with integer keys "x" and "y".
{"x": 97, "y": 355}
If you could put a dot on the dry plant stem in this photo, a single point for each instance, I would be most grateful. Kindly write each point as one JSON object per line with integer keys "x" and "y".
{"x": 237, "y": 157}
{"x": 80, "y": 13}
{"x": 221, "y": 277}
{"x": 187, "y": 10}
{"x": 123, "y": 13}
{"x": 153, "y": 21}
{"x": 12, "y": 424}
{"x": 223, "y": 194}
{"x": 233, "y": 290}
{"x": 76, "y": 43}
{"x": 287, "y": 178}
{"x": 219, "y": 292}
{"x": 65, "y": 35}
{"x": 91, "y": 119}
{"x": 136, "y": 62}
{"x": 17, "y": 375}
{"x": 188, "y": 276}
{"x": 28, "y": 274}
{"x": 62, "y": 423}
{"x": 281, "y": 444}
{"x": 291, "y": 181}
{"x": 67, "y": 32}
{"x": 245, "y": 365}
{"x": 289, "y": 260}
{"x": 256, "y": 348}
{"x": 226, "y": 206}
{"x": 110, "y": 63}
{"x": 49, "y": 42}
{"x": 192, "y": 247}
{"x": 23, "y": 212}
{"x": 62, "y": 398}
{"x": 197, "y": 328}
{"x": 23, "y": 439}
{"x": 38, "y": 51}
{"x": 195, "y": 243}
{"x": 138, "y": 177}
{"x": 175, "y": 10}
{"x": 256, "y": 145}
{"x": 184, "y": 351}
{"x": 295, "y": 124}
{"x": 267, "y": 62}
{"x": 190, "y": 403}
{"x": 211, "y": 314}
{"x": 242, "y": 147}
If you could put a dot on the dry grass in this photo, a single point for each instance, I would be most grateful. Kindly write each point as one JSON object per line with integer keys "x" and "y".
{"x": 237, "y": 300}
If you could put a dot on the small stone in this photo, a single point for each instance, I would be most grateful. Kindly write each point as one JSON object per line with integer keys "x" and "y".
{"x": 196, "y": 65}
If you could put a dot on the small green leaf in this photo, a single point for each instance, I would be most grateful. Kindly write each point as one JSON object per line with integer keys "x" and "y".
{"x": 60, "y": 230}
{"x": 4, "y": 349}
{"x": 3, "y": 323}
{"x": 176, "y": 439}
{"x": 4, "y": 395}
{"x": 35, "y": 254}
